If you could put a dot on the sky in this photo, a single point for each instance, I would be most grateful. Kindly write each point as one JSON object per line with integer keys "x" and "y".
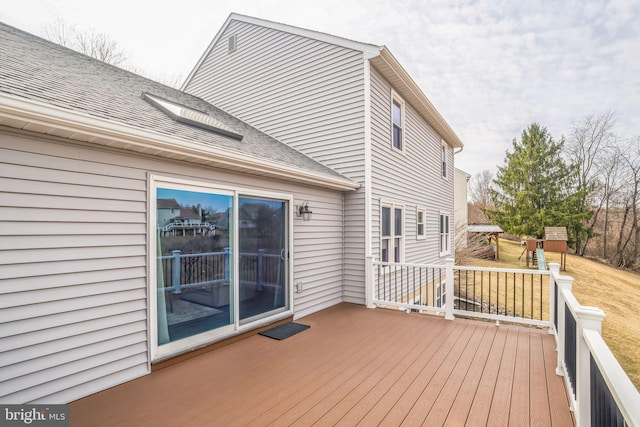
{"x": 208, "y": 201}
{"x": 491, "y": 67}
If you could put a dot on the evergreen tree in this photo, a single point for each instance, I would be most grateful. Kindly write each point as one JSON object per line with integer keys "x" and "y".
{"x": 534, "y": 187}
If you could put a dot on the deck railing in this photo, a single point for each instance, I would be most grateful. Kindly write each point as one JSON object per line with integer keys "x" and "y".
{"x": 601, "y": 394}
{"x": 600, "y": 391}
{"x": 503, "y": 294}
{"x": 410, "y": 286}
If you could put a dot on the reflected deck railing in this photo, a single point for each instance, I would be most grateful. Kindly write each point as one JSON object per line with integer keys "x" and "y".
{"x": 600, "y": 392}
{"x": 192, "y": 271}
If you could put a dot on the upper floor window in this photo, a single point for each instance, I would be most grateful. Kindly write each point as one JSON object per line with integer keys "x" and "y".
{"x": 444, "y": 234}
{"x": 392, "y": 239}
{"x": 397, "y": 119}
{"x": 443, "y": 158}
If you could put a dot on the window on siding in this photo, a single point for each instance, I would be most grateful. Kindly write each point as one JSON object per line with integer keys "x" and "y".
{"x": 444, "y": 234}
{"x": 397, "y": 119}
{"x": 420, "y": 226}
{"x": 443, "y": 158}
{"x": 392, "y": 239}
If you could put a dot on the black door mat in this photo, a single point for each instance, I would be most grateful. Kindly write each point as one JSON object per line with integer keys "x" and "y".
{"x": 285, "y": 330}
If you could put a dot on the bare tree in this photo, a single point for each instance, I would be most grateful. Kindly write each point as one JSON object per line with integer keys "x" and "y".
{"x": 589, "y": 137}
{"x": 480, "y": 185}
{"x": 627, "y": 247}
{"x": 93, "y": 43}
{"x": 586, "y": 145}
{"x": 610, "y": 185}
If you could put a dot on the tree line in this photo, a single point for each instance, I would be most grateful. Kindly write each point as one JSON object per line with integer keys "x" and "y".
{"x": 588, "y": 183}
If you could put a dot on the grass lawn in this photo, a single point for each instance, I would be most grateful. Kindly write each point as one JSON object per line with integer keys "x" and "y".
{"x": 614, "y": 291}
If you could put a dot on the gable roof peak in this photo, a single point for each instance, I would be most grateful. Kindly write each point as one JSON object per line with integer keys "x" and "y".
{"x": 379, "y": 56}
{"x": 367, "y": 48}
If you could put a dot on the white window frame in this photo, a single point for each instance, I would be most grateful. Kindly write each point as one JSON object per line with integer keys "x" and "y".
{"x": 423, "y": 235}
{"x": 166, "y": 351}
{"x": 444, "y": 243}
{"x": 396, "y": 99}
{"x": 393, "y": 237}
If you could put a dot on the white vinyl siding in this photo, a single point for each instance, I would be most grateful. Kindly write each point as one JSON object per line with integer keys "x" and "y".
{"x": 412, "y": 178}
{"x": 72, "y": 272}
{"x": 270, "y": 82}
{"x": 306, "y": 93}
{"x": 73, "y": 262}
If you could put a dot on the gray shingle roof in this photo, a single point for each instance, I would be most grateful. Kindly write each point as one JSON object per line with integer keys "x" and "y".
{"x": 555, "y": 233}
{"x": 484, "y": 228}
{"x": 39, "y": 70}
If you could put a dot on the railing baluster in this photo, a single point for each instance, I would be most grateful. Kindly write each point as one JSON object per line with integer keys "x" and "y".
{"x": 498, "y": 309}
{"x": 474, "y": 290}
{"x": 515, "y": 310}
{"x": 481, "y": 289}
{"x": 490, "y": 293}
{"x": 541, "y": 286}
{"x": 433, "y": 287}
{"x": 532, "y": 286}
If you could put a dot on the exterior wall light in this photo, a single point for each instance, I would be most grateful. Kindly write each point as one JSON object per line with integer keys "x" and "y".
{"x": 304, "y": 211}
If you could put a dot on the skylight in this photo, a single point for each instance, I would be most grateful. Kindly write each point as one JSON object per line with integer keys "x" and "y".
{"x": 191, "y": 117}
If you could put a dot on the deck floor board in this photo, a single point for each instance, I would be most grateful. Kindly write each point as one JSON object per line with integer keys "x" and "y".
{"x": 354, "y": 366}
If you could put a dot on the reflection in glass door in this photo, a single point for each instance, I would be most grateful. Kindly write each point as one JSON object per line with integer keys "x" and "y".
{"x": 195, "y": 263}
{"x": 263, "y": 257}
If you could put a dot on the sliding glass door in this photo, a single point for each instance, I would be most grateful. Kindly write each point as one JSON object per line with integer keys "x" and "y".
{"x": 221, "y": 262}
{"x": 263, "y": 257}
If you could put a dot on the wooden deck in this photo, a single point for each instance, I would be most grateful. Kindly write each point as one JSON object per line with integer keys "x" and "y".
{"x": 354, "y": 366}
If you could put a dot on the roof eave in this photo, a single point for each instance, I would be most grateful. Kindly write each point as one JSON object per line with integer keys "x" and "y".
{"x": 45, "y": 118}
{"x": 389, "y": 66}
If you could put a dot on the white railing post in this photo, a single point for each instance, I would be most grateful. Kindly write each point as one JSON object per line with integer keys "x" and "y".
{"x": 554, "y": 269}
{"x": 586, "y": 318}
{"x": 227, "y": 267}
{"x": 260, "y": 269}
{"x": 369, "y": 284}
{"x": 448, "y": 307}
{"x": 564, "y": 282}
{"x": 175, "y": 271}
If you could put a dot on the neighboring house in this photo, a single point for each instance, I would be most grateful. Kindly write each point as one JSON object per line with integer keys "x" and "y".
{"x": 94, "y": 294}
{"x": 191, "y": 215}
{"x": 352, "y": 107}
{"x": 461, "y": 210}
{"x": 167, "y": 210}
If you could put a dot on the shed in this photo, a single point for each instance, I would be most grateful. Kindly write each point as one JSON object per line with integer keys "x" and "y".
{"x": 490, "y": 231}
{"x": 555, "y": 240}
